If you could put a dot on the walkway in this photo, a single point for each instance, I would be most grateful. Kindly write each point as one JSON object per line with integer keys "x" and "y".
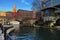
{"x": 1, "y": 35}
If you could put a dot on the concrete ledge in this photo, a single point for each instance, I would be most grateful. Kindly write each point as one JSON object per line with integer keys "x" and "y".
{"x": 8, "y": 31}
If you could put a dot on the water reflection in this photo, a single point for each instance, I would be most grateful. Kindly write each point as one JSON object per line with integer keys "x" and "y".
{"x": 33, "y": 33}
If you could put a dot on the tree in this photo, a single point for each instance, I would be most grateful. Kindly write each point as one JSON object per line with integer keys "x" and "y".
{"x": 38, "y": 4}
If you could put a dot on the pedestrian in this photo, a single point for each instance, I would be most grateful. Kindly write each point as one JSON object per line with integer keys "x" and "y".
{"x": 1, "y": 26}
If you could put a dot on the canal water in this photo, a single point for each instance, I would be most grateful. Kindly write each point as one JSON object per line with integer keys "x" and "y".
{"x": 35, "y": 33}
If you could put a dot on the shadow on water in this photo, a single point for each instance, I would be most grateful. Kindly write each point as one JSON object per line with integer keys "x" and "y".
{"x": 46, "y": 34}
{"x": 43, "y": 33}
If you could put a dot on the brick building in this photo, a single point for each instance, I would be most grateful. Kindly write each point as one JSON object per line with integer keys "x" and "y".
{"x": 18, "y": 14}
{"x": 24, "y": 14}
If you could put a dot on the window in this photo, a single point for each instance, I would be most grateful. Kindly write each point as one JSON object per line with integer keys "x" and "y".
{"x": 46, "y": 13}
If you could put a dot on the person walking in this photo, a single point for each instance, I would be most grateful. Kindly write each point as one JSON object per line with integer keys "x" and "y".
{"x": 1, "y": 26}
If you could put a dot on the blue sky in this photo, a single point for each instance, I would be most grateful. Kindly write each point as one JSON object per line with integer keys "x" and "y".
{"x": 7, "y": 5}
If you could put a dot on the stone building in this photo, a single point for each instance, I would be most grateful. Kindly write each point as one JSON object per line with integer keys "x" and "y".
{"x": 27, "y": 16}
{"x": 2, "y": 17}
{"x": 50, "y": 11}
{"x": 24, "y": 14}
{"x": 17, "y": 14}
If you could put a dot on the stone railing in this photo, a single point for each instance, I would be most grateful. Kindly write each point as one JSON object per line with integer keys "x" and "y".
{"x": 48, "y": 18}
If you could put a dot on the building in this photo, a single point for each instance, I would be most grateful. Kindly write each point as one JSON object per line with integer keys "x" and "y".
{"x": 24, "y": 14}
{"x": 50, "y": 9}
{"x": 57, "y": 11}
{"x": 50, "y": 12}
{"x": 27, "y": 16}
{"x": 57, "y": 15}
{"x": 2, "y": 17}
{"x": 17, "y": 14}
{"x": 14, "y": 8}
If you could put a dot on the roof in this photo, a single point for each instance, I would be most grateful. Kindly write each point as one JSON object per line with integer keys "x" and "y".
{"x": 23, "y": 10}
{"x": 46, "y": 8}
{"x": 57, "y": 5}
{"x": 51, "y": 7}
{"x": 9, "y": 12}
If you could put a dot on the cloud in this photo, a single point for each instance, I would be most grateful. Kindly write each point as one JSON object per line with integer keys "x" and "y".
{"x": 24, "y": 1}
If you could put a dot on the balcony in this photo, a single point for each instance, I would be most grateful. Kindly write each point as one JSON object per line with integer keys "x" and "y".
{"x": 48, "y": 18}
{"x": 57, "y": 11}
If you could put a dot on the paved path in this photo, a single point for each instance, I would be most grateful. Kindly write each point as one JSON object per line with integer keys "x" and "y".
{"x": 1, "y": 35}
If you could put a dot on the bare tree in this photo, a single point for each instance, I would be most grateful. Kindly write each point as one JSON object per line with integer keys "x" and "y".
{"x": 38, "y": 4}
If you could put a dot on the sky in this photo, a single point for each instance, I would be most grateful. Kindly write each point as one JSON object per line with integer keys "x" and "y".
{"x": 7, "y": 5}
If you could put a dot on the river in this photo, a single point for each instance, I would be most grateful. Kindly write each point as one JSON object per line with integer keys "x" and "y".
{"x": 35, "y": 33}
